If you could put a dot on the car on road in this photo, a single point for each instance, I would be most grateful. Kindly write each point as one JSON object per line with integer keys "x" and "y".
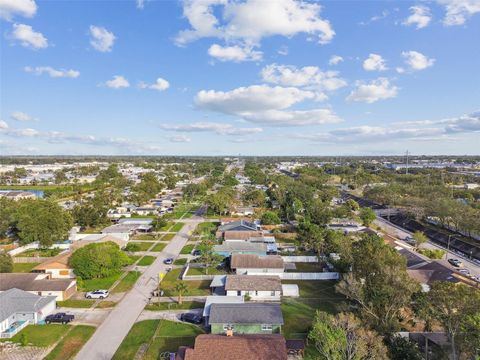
{"x": 191, "y": 318}
{"x": 97, "y": 294}
{"x": 196, "y": 252}
{"x": 168, "y": 261}
{"x": 464, "y": 271}
{"x": 62, "y": 318}
{"x": 455, "y": 262}
{"x": 410, "y": 240}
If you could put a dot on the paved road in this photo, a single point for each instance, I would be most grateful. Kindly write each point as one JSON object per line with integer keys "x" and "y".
{"x": 395, "y": 231}
{"x": 109, "y": 335}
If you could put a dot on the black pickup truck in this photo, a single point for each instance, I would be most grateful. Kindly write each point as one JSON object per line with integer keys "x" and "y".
{"x": 59, "y": 318}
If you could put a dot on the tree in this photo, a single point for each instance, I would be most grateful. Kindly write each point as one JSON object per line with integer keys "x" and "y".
{"x": 207, "y": 254}
{"x": 181, "y": 289}
{"x": 7, "y": 212}
{"x": 367, "y": 216}
{"x": 312, "y": 236}
{"x": 400, "y": 348}
{"x": 43, "y": 221}
{"x": 378, "y": 282}
{"x": 457, "y": 308}
{"x": 270, "y": 218}
{"x": 159, "y": 223}
{"x": 98, "y": 260}
{"x": 420, "y": 239}
{"x": 352, "y": 204}
{"x": 342, "y": 337}
{"x": 148, "y": 188}
{"x": 93, "y": 212}
{"x": 6, "y": 262}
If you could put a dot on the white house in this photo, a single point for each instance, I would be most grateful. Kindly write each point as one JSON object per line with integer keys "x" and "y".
{"x": 249, "y": 264}
{"x": 21, "y": 308}
{"x": 264, "y": 288}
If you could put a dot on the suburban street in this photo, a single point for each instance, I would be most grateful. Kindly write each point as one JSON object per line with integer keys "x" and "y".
{"x": 109, "y": 335}
{"x": 395, "y": 231}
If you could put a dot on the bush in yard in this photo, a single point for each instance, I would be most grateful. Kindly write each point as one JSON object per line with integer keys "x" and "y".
{"x": 98, "y": 260}
{"x": 367, "y": 215}
{"x": 270, "y": 218}
{"x": 6, "y": 263}
{"x": 159, "y": 223}
{"x": 24, "y": 339}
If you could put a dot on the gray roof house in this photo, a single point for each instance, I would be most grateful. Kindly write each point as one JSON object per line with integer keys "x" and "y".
{"x": 240, "y": 225}
{"x": 260, "y": 287}
{"x": 20, "y": 308}
{"x": 246, "y": 318}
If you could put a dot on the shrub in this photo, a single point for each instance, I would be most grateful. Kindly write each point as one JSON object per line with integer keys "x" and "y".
{"x": 435, "y": 254}
{"x": 132, "y": 247}
{"x": 270, "y": 218}
{"x": 6, "y": 263}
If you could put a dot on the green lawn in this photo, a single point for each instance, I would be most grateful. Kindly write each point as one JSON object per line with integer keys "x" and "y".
{"x": 207, "y": 227}
{"x": 94, "y": 284}
{"x": 307, "y": 267}
{"x": 134, "y": 258}
{"x": 40, "y": 252}
{"x": 41, "y": 335}
{"x": 73, "y": 303}
{"x": 158, "y": 336}
{"x": 182, "y": 261}
{"x": 104, "y": 304}
{"x": 167, "y": 226}
{"x": 298, "y": 313}
{"x": 140, "y": 333}
{"x": 127, "y": 282}
{"x": 195, "y": 288}
{"x": 170, "y": 336}
{"x": 177, "y": 227}
{"x": 186, "y": 305}
{"x": 23, "y": 267}
{"x": 168, "y": 237}
{"x": 187, "y": 249}
{"x": 145, "y": 237}
{"x": 158, "y": 247}
{"x": 142, "y": 246}
{"x": 146, "y": 260}
{"x": 69, "y": 346}
{"x": 212, "y": 270}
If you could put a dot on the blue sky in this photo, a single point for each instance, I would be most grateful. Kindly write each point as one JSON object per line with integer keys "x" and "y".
{"x": 250, "y": 77}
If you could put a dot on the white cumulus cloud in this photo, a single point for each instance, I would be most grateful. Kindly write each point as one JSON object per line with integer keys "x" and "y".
{"x": 179, "y": 139}
{"x": 21, "y": 116}
{"x": 11, "y": 8}
{"x": 101, "y": 39}
{"x": 118, "y": 82}
{"x": 420, "y": 17}
{"x": 375, "y": 62}
{"x": 234, "y": 53}
{"x": 217, "y": 128}
{"x": 458, "y": 11}
{"x": 375, "y": 90}
{"x": 159, "y": 85}
{"x": 55, "y": 73}
{"x": 335, "y": 59}
{"x": 28, "y": 37}
{"x": 416, "y": 60}
{"x": 3, "y": 125}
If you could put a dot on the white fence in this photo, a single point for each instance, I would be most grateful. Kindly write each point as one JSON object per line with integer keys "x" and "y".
{"x": 310, "y": 276}
{"x": 36, "y": 245}
{"x": 184, "y": 276}
{"x": 306, "y": 259}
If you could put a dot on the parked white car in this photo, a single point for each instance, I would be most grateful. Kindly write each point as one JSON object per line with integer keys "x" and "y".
{"x": 97, "y": 294}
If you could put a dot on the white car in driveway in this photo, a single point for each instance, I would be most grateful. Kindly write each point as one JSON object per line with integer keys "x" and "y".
{"x": 97, "y": 294}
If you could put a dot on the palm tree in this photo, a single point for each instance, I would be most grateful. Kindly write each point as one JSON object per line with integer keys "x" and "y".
{"x": 181, "y": 289}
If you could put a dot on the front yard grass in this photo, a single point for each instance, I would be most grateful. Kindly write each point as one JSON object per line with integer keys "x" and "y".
{"x": 106, "y": 304}
{"x": 181, "y": 261}
{"x": 187, "y": 249}
{"x": 102, "y": 283}
{"x": 212, "y": 270}
{"x": 23, "y": 267}
{"x": 177, "y": 227}
{"x": 146, "y": 260}
{"x": 158, "y": 247}
{"x": 40, "y": 252}
{"x": 186, "y": 305}
{"x": 168, "y": 237}
{"x": 142, "y": 246}
{"x": 145, "y": 237}
{"x": 195, "y": 288}
{"x": 127, "y": 282}
{"x": 69, "y": 346}
{"x": 41, "y": 335}
{"x": 74, "y": 303}
{"x": 140, "y": 333}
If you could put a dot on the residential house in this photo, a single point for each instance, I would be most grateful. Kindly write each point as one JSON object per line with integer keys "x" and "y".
{"x": 39, "y": 284}
{"x": 238, "y": 347}
{"x": 20, "y": 308}
{"x": 247, "y": 264}
{"x": 240, "y": 225}
{"x": 243, "y": 211}
{"x": 219, "y": 300}
{"x": 239, "y": 235}
{"x": 259, "y": 287}
{"x": 17, "y": 195}
{"x": 247, "y": 318}
{"x": 57, "y": 267}
{"x": 229, "y": 248}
